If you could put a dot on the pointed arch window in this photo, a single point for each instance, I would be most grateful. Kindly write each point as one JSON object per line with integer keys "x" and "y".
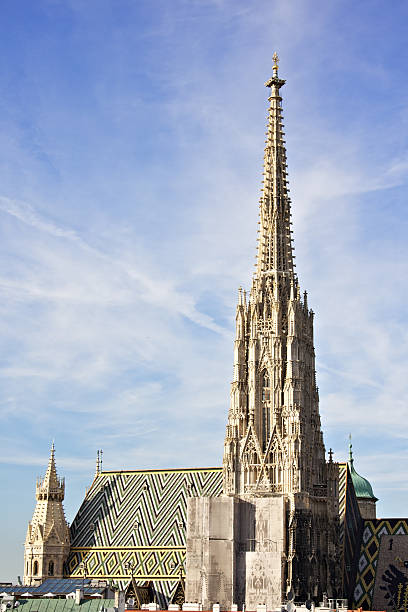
{"x": 35, "y": 568}
{"x": 266, "y": 396}
{"x": 51, "y": 568}
{"x": 266, "y": 387}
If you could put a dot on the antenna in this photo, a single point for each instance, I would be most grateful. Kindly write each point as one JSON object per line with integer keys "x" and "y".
{"x": 97, "y": 463}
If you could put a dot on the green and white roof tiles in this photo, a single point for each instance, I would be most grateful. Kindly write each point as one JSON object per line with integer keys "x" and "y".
{"x": 143, "y": 508}
{"x": 138, "y": 518}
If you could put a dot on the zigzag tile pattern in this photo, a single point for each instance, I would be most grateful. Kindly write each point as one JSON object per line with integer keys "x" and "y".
{"x": 367, "y": 561}
{"x": 342, "y": 514}
{"x": 342, "y": 499}
{"x": 352, "y": 530}
{"x": 138, "y": 517}
{"x": 107, "y": 563}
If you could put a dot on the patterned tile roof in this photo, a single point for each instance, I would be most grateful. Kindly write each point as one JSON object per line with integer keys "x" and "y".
{"x": 373, "y": 530}
{"x": 138, "y": 517}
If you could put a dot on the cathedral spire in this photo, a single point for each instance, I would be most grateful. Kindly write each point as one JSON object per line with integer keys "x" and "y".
{"x": 273, "y": 441}
{"x": 47, "y": 539}
{"x": 274, "y": 464}
{"x": 275, "y": 253}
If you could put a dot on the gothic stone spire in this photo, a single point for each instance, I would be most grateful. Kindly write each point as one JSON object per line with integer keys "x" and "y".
{"x": 275, "y": 253}
{"x": 47, "y": 539}
{"x": 273, "y": 441}
{"x": 275, "y": 506}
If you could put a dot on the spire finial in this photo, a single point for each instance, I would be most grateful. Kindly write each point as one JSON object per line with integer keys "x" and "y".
{"x": 350, "y": 451}
{"x": 275, "y": 64}
{"x": 331, "y": 455}
{"x": 97, "y": 463}
{"x": 275, "y": 83}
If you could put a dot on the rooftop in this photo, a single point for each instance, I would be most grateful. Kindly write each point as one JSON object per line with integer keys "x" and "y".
{"x": 362, "y": 487}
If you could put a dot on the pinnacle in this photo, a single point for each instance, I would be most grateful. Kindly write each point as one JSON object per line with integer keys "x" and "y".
{"x": 275, "y": 252}
{"x": 51, "y": 479}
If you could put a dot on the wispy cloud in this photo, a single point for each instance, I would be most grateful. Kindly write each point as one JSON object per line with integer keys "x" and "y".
{"x": 130, "y": 159}
{"x": 26, "y": 213}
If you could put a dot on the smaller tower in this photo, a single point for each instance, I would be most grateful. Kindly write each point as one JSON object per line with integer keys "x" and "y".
{"x": 47, "y": 540}
{"x": 364, "y": 493}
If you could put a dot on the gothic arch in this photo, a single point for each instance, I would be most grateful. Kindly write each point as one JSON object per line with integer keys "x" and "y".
{"x": 266, "y": 385}
{"x": 265, "y": 396}
{"x": 251, "y": 458}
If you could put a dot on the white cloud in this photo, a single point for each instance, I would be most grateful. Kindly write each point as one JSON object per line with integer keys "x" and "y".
{"x": 129, "y": 204}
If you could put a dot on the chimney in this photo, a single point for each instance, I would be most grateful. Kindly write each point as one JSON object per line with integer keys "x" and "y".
{"x": 120, "y": 601}
{"x": 78, "y": 596}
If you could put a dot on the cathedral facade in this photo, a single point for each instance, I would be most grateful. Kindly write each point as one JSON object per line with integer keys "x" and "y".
{"x": 277, "y": 518}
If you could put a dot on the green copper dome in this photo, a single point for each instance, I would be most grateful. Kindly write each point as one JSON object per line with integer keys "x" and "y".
{"x": 362, "y": 487}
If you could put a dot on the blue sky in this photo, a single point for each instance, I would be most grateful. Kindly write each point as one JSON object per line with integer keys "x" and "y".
{"x": 131, "y": 138}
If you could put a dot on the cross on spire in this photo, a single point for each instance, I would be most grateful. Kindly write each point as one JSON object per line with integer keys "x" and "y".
{"x": 275, "y": 82}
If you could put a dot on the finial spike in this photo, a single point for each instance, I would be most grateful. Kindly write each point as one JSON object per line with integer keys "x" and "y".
{"x": 275, "y": 64}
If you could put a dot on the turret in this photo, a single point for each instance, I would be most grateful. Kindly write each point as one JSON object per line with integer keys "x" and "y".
{"x": 364, "y": 492}
{"x": 47, "y": 539}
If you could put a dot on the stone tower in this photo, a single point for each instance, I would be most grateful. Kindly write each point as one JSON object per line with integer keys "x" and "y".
{"x": 268, "y": 534}
{"x": 274, "y": 443}
{"x": 47, "y": 540}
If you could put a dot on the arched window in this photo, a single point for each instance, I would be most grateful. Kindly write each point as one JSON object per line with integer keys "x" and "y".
{"x": 266, "y": 396}
{"x": 35, "y": 568}
{"x": 51, "y": 568}
{"x": 266, "y": 387}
